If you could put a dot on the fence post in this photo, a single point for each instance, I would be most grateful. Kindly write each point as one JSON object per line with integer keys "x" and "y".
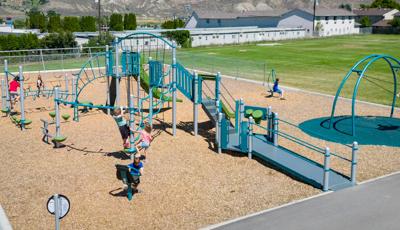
{"x": 219, "y": 133}
{"x": 354, "y": 162}
{"x": 22, "y": 98}
{"x": 269, "y": 123}
{"x": 195, "y": 103}
{"x": 275, "y": 128}
{"x": 250, "y": 137}
{"x": 57, "y": 110}
{"x": 326, "y": 170}
{"x": 41, "y": 55}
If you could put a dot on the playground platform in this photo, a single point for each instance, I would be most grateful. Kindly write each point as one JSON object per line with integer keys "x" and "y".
{"x": 372, "y": 205}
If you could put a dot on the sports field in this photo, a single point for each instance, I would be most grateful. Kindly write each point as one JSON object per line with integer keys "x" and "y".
{"x": 312, "y": 64}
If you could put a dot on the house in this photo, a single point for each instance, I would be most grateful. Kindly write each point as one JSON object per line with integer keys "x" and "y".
{"x": 327, "y": 22}
{"x": 215, "y": 19}
{"x": 375, "y": 14}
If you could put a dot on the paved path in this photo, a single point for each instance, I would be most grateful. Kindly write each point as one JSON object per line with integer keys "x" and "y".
{"x": 372, "y": 205}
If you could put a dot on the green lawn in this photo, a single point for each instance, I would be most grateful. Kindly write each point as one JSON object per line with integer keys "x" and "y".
{"x": 313, "y": 64}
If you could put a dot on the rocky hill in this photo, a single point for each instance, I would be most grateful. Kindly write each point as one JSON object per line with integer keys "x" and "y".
{"x": 164, "y": 8}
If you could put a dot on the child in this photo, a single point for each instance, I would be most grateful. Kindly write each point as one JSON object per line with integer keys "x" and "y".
{"x": 14, "y": 95}
{"x": 122, "y": 125}
{"x": 276, "y": 89}
{"x": 39, "y": 85}
{"x": 145, "y": 139}
{"x": 136, "y": 170}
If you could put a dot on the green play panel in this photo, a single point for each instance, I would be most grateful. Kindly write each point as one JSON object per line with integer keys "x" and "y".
{"x": 370, "y": 130}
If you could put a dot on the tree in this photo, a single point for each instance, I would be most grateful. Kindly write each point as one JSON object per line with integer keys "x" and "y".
{"x": 345, "y": 6}
{"x": 173, "y": 24}
{"x": 19, "y": 24}
{"x": 130, "y": 21}
{"x": 88, "y": 24}
{"x": 391, "y": 4}
{"x": 37, "y": 20}
{"x": 71, "y": 24}
{"x": 58, "y": 40}
{"x": 54, "y": 24}
{"x": 182, "y": 37}
{"x": 116, "y": 22}
{"x": 395, "y": 22}
{"x": 365, "y": 22}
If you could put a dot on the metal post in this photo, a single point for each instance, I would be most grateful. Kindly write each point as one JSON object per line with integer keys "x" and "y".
{"x": 217, "y": 89}
{"x": 354, "y": 162}
{"x": 269, "y": 123}
{"x": 237, "y": 115}
{"x": 56, "y": 211}
{"x": 74, "y": 96}
{"x": 131, "y": 121}
{"x": 219, "y": 133}
{"x": 116, "y": 72}
{"x": 8, "y": 103}
{"x": 241, "y": 113}
{"x": 41, "y": 55}
{"x": 138, "y": 81}
{"x": 174, "y": 89}
{"x": 275, "y": 128}
{"x": 195, "y": 103}
{"x": 108, "y": 77}
{"x": 151, "y": 104}
{"x": 22, "y": 98}
{"x": 326, "y": 170}
{"x": 57, "y": 110}
{"x": 3, "y": 96}
{"x": 250, "y": 137}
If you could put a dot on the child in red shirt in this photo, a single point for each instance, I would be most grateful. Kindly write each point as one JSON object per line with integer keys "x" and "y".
{"x": 14, "y": 95}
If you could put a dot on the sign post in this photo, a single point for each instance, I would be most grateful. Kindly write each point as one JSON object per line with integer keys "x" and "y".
{"x": 58, "y": 205}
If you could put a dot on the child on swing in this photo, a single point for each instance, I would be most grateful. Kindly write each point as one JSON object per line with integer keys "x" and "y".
{"x": 277, "y": 89}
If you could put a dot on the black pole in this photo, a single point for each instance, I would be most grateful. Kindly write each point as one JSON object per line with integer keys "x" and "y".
{"x": 313, "y": 22}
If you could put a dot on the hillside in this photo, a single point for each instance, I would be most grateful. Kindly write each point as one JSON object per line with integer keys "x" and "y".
{"x": 166, "y": 8}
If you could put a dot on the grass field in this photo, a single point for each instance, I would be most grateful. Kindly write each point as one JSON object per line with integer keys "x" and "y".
{"x": 313, "y": 64}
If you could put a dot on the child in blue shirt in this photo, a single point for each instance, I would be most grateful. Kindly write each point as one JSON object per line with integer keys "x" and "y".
{"x": 136, "y": 170}
{"x": 276, "y": 89}
{"x": 118, "y": 115}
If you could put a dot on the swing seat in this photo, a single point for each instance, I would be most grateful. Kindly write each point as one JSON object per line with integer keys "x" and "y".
{"x": 27, "y": 122}
{"x": 5, "y": 110}
{"x": 59, "y": 139}
{"x": 130, "y": 150}
{"x": 52, "y": 114}
{"x": 15, "y": 119}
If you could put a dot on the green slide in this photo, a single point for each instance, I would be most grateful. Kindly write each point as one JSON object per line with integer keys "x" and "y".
{"x": 145, "y": 84}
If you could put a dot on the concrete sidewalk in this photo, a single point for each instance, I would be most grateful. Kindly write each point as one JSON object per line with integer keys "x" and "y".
{"x": 372, "y": 205}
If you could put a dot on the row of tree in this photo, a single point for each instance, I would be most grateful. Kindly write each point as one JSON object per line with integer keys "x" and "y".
{"x": 31, "y": 41}
{"x": 53, "y": 22}
{"x": 391, "y": 4}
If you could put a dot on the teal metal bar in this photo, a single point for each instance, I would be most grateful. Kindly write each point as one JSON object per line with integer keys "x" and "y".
{"x": 219, "y": 133}
{"x": 8, "y": 103}
{"x": 57, "y": 110}
{"x": 250, "y": 137}
{"x": 275, "y": 128}
{"x": 325, "y": 186}
{"x": 22, "y": 98}
{"x": 354, "y": 163}
{"x": 237, "y": 115}
{"x": 195, "y": 104}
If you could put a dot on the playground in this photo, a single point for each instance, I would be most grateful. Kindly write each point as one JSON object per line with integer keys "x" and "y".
{"x": 186, "y": 183}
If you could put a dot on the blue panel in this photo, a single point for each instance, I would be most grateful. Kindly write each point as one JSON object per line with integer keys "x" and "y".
{"x": 224, "y": 133}
{"x": 135, "y": 63}
{"x": 110, "y": 71}
{"x": 124, "y": 63}
{"x": 156, "y": 73}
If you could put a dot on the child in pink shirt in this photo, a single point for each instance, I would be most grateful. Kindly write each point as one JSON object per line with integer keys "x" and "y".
{"x": 145, "y": 139}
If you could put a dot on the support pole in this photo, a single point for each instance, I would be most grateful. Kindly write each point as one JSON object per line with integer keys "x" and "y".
{"x": 250, "y": 137}
{"x": 108, "y": 77}
{"x": 195, "y": 103}
{"x": 354, "y": 163}
{"x": 219, "y": 133}
{"x": 74, "y": 96}
{"x": 56, "y": 211}
{"x": 269, "y": 123}
{"x": 174, "y": 89}
{"x": 117, "y": 102}
{"x": 218, "y": 90}
{"x": 22, "y": 98}
{"x": 275, "y": 128}
{"x": 326, "y": 170}
{"x": 3, "y": 96}
{"x": 8, "y": 100}
{"x": 57, "y": 110}
{"x": 138, "y": 81}
{"x": 237, "y": 115}
{"x": 241, "y": 114}
{"x": 131, "y": 121}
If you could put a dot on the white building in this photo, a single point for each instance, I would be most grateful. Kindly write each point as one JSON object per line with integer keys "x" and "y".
{"x": 327, "y": 22}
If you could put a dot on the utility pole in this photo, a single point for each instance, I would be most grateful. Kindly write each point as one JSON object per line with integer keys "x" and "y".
{"x": 315, "y": 6}
{"x": 99, "y": 18}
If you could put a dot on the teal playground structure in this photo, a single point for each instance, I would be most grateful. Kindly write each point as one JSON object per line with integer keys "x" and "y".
{"x": 150, "y": 62}
{"x": 374, "y": 130}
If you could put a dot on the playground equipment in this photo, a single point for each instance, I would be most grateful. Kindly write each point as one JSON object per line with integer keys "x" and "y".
{"x": 127, "y": 178}
{"x": 371, "y": 130}
{"x": 270, "y": 82}
{"x": 235, "y": 133}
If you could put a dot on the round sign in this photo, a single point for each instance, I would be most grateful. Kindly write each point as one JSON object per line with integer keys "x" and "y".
{"x": 63, "y": 207}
